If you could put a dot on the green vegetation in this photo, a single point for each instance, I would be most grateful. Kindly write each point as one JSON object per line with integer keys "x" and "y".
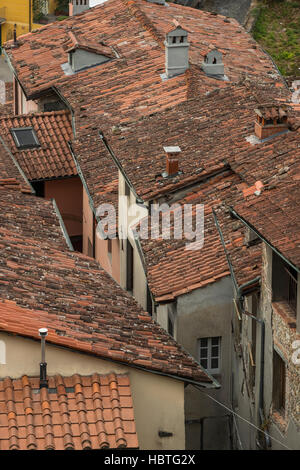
{"x": 277, "y": 29}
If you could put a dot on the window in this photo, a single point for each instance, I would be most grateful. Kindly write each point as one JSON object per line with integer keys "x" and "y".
{"x": 109, "y": 249}
{"x": 170, "y": 326}
{"x": 210, "y": 354}
{"x": 25, "y": 137}
{"x": 284, "y": 282}
{"x": 129, "y": 273}
{"x": 90, "y": 248}
{"x": 279, "y": 382}
{"x": 127, "y": 189}
{"x": 2, "y": 352}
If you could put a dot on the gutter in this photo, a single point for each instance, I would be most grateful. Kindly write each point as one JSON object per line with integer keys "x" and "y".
{"x": 200, "y": 385}
{"x": 62, "y": 225}
{"x": 264, "y": 239}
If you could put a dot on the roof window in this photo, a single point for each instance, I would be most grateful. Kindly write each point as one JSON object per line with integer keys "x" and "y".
{"x": 25, "y": 137}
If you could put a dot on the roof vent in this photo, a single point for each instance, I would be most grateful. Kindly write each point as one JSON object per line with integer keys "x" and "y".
{"x": 78, "y": 6}
{"x": 43, "y": 364}
{"x": 177, "y": 51}
{"x": 213, "y": 64}
{"x": 270, "y": 119}
{"x": 172, "y": 161}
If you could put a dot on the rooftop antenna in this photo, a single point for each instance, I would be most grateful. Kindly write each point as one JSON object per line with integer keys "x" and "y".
{"x": 43, "y": 365}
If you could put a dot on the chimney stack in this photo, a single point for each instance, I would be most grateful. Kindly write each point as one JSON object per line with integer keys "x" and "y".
{"x": 177, "y": 51}
{"x": 77, "y": 6}
{"x": 172, "y": 162}
{"x": 271, "y": 119}
{"x": 43, "y": 365}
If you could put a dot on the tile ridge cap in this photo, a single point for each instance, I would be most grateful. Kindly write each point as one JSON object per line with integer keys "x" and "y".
{"x": 144, "y": 20}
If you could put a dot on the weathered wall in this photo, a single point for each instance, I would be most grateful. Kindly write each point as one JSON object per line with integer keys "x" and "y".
{"x": 284, "y": 427}
{"x": 205, "y": 313}
{"x": 158, "y": 401}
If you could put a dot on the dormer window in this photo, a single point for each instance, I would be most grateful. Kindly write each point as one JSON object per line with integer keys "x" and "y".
{"x": 213, "y": 64}
{"x": 83, "y": 55}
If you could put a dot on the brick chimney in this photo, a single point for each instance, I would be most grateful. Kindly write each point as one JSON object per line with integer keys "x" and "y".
{"x": 177, "y": 51}
{"x": 172, "y": 160}
{"x": 271, "y": 119}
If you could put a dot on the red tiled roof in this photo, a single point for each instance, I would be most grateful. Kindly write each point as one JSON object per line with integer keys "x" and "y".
{"x": 275, "y": 214}
{"x": 74, "y": 413}
{"x": 10, "y": 175}
{"x": 42, "y": 284}
{"x": 53, "y": 158}
{"x": 130, "y": 87}
{"x": 211, "y": 132}
{"x": 173, "y": 270}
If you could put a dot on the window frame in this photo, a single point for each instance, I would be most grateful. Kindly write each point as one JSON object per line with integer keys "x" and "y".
{"x": 19, "y": 146}
{"x": 209, "y": 357}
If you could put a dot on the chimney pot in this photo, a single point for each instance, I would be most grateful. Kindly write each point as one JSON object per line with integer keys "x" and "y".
{"x": 172, "y": 161}
{"x": 43, "y": 364}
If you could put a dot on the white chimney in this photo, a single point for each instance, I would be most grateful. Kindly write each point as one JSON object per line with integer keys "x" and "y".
{"x": 177, "y": 51}
{"x": 78, "y": 6}
{"x": 213, "y": 64}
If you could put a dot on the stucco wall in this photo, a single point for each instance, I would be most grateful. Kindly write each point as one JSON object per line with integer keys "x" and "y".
{"x": 158, "y": 401}
{"x": 126, "y": 217}
{"x": 205, "y": 313}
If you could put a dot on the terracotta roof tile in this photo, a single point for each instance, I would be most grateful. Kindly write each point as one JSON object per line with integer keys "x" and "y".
{"x": 130, "y": 87}
{"x": 52, "y": 159}
{"x": 42, "y": 283}
{"x": 173, "y": 270}
{"x": 74, "y": 413}
{"x": 275, "y": 214}
{"x": 11, "y": 176}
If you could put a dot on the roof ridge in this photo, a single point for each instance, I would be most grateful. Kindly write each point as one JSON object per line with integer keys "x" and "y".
{"x": 30, "y": 115}
{"x": 144, "y": 20}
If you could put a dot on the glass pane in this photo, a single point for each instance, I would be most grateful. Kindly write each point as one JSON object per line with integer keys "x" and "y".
{"x": 25, "y": 138}
{"x": 215, "y": 341}
{"x": 215, "y": 363}
{"x": 203, "y": 342}
{"x": 215, "y": 351}
{"x": 203, "y": 363}
{"x": 203, "y": 352}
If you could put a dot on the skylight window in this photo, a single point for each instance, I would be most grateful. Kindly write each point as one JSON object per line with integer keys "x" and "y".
{"x": 25, "y": 137}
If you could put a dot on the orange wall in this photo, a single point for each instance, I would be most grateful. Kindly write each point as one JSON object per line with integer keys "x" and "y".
{"x": 111, "y": 264}
{"x": 68, "y": 196}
